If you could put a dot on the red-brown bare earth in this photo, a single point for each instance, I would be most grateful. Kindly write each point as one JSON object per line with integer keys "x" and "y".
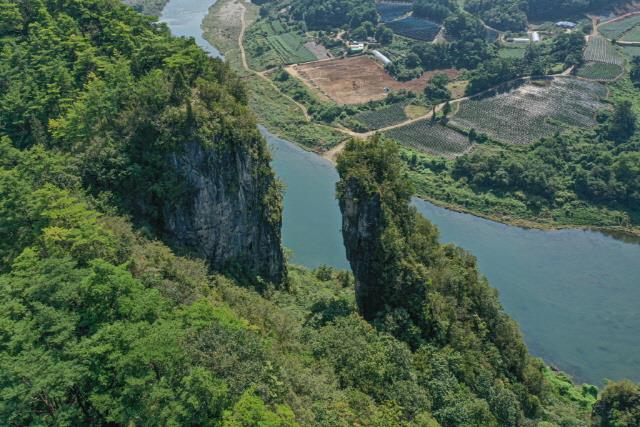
{"x": 356, "y": 80}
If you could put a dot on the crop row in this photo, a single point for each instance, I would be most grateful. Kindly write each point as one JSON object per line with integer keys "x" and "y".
{"x": 600, "y": 71}
{"x": 382, "y": 117}
{"x": 291, "y": 48}
{"x": 523, "y": 115}
{"x": 600, "y": 49}
{"x": 616, "y": 29}
{"x": 391, "y": 11}
{"x": 415, "y": 28}
{"x": 430, "y": 137}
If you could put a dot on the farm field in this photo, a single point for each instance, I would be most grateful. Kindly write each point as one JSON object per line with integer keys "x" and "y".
{"x": 566, "y": 100}
{"x": 270, "y": 44}
{"x": 600, "y": 49}
{"x": 432, "y": 138}
{"x": 390, "y": 11}
{"x": 415, "y": 28}
{"x": 633, "y": 35}
{"x": 599, "y": 71}
{"x": 356, "y": 80}
{"x": 631, "y": 51}
{"x": 511, "y": 52}
{"x": 616, "y": 29}
{"x": 382, "y": 117}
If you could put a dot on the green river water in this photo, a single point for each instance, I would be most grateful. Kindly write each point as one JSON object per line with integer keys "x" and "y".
{"x": 575, "y": 293}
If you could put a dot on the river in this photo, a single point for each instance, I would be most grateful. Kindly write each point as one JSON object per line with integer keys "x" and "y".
{"x": 575, "y": 293}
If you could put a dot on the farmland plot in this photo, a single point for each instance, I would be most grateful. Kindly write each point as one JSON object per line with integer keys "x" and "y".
{"x": 633, "y": 35}
{"x": 602, "y": 50}
{"x": 382, "y": 117}
{"x": 415, "y": 28}
{"x": 614, "y": 30}
{"x": 599, "y": 71}
{"x": 430, "y": 137}
{"x": 391, "y": 11}
{"x": 522, "y": 115}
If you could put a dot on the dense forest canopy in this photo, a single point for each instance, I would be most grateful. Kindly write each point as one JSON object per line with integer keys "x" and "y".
{"x": 101, "y": 323}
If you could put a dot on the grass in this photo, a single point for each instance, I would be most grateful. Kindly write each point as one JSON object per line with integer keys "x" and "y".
{"x": 531, "y": 106}
{"x": 431, "y": 137}
{"x": 511, "y": 52}
{"x": 285, "y": 119}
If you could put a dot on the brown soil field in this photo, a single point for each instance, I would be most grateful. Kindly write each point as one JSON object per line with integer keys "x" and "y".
{"x": 356, "y": 80}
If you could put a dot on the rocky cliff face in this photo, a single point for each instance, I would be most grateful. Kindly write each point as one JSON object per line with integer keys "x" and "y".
{"x": 232, "y": 214}
{"x": 362, "y": 226}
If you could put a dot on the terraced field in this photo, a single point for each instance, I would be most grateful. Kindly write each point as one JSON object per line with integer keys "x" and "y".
{"x": 415, "y": 28}
{"x": 631, "y": 51}
{"x": 599, "y": 71}
{"x": 603, "y": 62}
{"x": 633, "y": 35}
{"x": 392, "y": 10}
{"x": 382, "y": 117}
{"x": 602, "y": 50}
{"x": 614, "y": 30}
{"x": 270, "y": 44}
{"x": 432, "y": 138}
{"x": 533, "y": 110}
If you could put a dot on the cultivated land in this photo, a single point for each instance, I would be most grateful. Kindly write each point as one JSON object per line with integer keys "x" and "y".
{"x": 564, "y": 100}
{"x": 356, "y": 80}
{"x": 432, "y": 138}
{"x": 618, "y": 27}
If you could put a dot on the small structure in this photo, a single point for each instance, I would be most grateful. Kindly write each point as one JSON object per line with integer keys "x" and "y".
{"x": 566, "y": 25}
{"x": 535, "y": 37}
{"x": 380, "y": 57}
{"x": 355, "y": 47}
{"x": 519, "y": 40}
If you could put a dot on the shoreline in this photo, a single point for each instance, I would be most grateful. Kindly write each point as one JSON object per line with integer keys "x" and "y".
{"x": 332, "y": 154}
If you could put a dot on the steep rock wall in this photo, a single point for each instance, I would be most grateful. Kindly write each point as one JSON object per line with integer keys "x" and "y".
{"x": 232, "y": 214}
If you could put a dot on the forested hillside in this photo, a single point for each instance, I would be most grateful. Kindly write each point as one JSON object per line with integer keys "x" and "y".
{"x": 142, "y": 279}
{"x": 155, "y": 127}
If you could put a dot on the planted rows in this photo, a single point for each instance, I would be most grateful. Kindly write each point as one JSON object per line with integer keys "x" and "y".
{"x": 633, "y": 35}
{"x": 530, "y": 112}
{"x": 415, "y": 28}
{"x": 599, "y": 71}
{"x": 615, "y": 30}
{"x": 391, "y": 11}
{"x": 430, "y": 137}
{"x": 291, "y": 48}
{"x": 600, "y": 49}
{"x": 383, "y": 117}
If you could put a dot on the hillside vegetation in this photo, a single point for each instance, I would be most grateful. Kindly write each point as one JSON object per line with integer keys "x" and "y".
{"x": 107, "y": 319}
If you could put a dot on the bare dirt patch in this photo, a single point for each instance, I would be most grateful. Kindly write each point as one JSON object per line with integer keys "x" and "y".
{"x": 318, "y": 50}
{"x": 356, "y": 80}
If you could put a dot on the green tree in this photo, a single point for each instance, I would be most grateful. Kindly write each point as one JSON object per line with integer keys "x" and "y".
{"x": 618, "y": 406}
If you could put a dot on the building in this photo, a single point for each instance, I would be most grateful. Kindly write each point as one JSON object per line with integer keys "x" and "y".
{"x": 566, "y": 25}
{"x": 380, "y": 57}
{"x": 355, "y": 47}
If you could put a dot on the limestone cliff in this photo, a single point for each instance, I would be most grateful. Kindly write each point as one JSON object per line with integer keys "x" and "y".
{"x": 232, "y": 214}
{"x": 362, "y": 226}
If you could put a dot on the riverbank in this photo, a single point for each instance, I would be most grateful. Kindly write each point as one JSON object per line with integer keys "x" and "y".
{"x": 225, "y": 26}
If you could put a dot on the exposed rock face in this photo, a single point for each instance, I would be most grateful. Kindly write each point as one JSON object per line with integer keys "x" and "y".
{"x": 232, "y": 215}
{"x": 362, "y": 227}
